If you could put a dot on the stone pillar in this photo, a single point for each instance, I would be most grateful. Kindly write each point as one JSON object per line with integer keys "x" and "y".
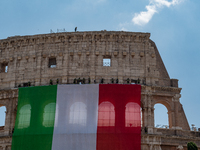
{"x": 92, "y": 61}
{"x": 142, "y": 117}
{"x": 152, "y": 117}
{"x": 170, "y": 118}
{"x": 13, "y": 113}
{"x": 146, "y": 64}
{"x": 149, "y": 116}
{"x": 150, "y": 120}
{"x": 63, "y": 58}
{"x": 120, "y": 71}
{"x": 145, "y": 119}
{"x": 148, "y": 113}
{"x": 176, "y": 106}
{"x": 38, "y": 70}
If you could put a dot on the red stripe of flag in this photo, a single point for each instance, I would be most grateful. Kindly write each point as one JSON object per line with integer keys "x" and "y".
{"x": 119, "y": 120}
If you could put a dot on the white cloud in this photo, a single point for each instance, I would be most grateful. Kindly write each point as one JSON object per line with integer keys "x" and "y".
{"x": 144, "y": 17}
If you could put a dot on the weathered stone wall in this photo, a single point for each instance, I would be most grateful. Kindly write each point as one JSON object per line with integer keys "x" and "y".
{"x": 8, "y": 98}
{"x": 80, "y": 55}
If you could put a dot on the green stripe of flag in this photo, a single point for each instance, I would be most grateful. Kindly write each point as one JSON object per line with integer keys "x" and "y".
{"x": 35, "y": 118}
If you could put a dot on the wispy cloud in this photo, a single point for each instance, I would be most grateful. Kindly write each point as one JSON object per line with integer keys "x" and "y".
{"x": 144, "y": 17}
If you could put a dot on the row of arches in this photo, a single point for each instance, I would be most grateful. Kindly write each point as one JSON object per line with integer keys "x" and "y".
{"x": 78, "y": 115}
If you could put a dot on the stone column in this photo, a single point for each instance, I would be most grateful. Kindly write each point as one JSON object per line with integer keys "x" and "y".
{"x": 92, "y": 61}
{"x": 145, "y": 119}
{"x": 38, "y": 70}
{"x": 152, "y": 117}
{"x": 150, "y": 120}
{"x": 13, "y": 113}
{"x": 142, "y": 117}
{"x": 63, "y": 64}
{"x": 146, "y": 64}
{"x": 65, "y": 68}
{"x": 120, "y": 70}
{"x": 170, "y": 118}
{"x": 176, "y": 101}
{"x": 148, "y": 113}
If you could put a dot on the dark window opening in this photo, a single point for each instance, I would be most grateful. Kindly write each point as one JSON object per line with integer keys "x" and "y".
{"x": 25, "y": 84}
{"x": 4, "y": 67}
{"x": 133, "y": 81}
{"x": 52, "y": 62}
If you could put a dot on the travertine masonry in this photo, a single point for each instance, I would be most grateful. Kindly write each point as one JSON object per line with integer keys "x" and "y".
{"x": 65, "y": 57}
{"x": 133, "y": 55}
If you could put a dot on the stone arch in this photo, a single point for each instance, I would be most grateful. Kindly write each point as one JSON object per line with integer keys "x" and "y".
{"x": 3, "y": 116}
{"x": 142, "y": 114}
{"x": 166, "y": 103}
{"x": 169, "y": 112}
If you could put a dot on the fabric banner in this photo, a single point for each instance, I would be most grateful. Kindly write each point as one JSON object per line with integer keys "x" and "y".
{"x": 78, "y": 117}
{"x": 119, "y": 121}
{"x": 35, "y": 118}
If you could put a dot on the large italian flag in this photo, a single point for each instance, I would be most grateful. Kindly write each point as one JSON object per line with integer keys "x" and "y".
{"x": 78, "y": 117}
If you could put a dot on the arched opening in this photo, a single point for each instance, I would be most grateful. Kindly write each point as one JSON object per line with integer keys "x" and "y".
{"x": 78, "y": 114}
{"x": 2, "y": 116}
{"x": 161, "y": 116}
{"x": 106, "y": 115}
{"x": 24, "y": 116}
{"x": 133, "y": 115}
{"x": 49, "y": 115}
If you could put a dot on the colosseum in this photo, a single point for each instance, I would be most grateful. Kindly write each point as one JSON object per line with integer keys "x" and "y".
{"x": 96, "y": 57}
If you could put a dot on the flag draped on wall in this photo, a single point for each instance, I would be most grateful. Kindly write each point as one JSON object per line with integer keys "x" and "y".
{"x": 78, "y": 117}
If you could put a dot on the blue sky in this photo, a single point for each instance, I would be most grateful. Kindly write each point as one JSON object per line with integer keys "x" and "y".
{"x": 173, "y": 24}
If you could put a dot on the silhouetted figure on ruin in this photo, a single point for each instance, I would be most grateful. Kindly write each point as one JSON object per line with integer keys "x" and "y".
{"x": 75, "y": 29}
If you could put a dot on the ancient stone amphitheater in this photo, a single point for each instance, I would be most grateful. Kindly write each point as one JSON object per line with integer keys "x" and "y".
{"x": 95, "y": 57}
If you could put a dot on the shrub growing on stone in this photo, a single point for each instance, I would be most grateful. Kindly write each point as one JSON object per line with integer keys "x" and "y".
{"x": 191, "y": 146}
